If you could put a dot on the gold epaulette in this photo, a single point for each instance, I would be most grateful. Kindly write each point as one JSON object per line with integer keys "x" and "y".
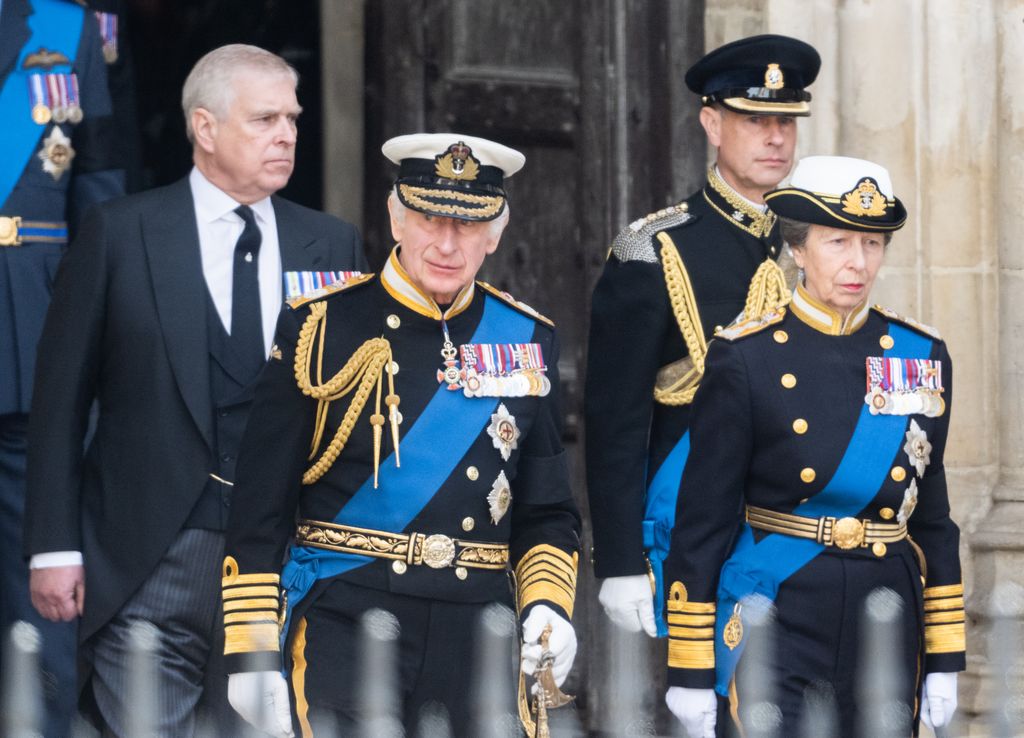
{"x": 750, "y": 327}
{"x": 909, "y": 322}
{"x": 252, "y": 603}
{"x": 329, "y": 289}
{"x": 546, "y": 573}
{"x": 944, "y": 619}
{"x": 691, "y": 631}
{"x": 520, "y": 306}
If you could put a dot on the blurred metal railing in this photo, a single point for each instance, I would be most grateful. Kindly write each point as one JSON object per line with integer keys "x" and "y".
{"x": 628, "y": 709}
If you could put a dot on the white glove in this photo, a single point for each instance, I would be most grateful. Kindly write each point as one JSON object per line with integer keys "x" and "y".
{"x": 261, "y": 698}
{"x": 696, "y": 709}
{"x": 561, "y": 643}
{"x": 938, "y": 699}
{"x": 629, "y": 603}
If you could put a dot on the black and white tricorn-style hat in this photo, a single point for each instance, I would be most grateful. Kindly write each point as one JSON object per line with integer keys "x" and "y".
{"x": 452, "y": 175}
{"x": 839, "y": 192}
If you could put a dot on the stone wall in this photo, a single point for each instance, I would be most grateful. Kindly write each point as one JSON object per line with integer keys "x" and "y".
{"x": 933, "y": 91}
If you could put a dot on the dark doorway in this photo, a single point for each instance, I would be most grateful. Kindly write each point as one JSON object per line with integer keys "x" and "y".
{"x": 168, "y": 36}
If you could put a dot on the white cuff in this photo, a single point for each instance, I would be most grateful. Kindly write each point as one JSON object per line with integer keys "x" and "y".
{"x": 56, "y": 558}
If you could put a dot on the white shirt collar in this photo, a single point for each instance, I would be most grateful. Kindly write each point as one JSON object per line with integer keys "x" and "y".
{"x": 212, "y": 203}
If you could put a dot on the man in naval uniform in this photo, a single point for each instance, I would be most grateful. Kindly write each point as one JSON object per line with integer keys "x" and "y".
{"x": 57, "y": 157}
{"x": 409, "y": 423}
{"x": 670, "y": 278}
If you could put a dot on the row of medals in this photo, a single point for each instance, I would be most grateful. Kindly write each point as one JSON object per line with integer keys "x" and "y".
{"x": 43, "y": 114}
{"x": 522, "y": 383}
{"x": 920, "y": 402}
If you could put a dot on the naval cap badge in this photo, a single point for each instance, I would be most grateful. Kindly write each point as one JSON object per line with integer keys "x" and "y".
{"x": 773, "y": 77}
{"x": 864, "y": 199}
{"x": 457, "y": 162}
{"x": 504, "y": 432}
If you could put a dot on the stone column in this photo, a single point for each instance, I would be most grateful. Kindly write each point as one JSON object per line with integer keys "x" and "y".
{"x": 998, "y": 543}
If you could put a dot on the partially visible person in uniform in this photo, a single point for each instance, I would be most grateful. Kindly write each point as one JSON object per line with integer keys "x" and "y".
{"x": 57, "y": 157}
{"x": 112, "y": 20}
{"x": 818, "y": 435}
{"x": 435, "y": 467}
{"x": 163, "y": 311}
{"x": 670, "y": 279}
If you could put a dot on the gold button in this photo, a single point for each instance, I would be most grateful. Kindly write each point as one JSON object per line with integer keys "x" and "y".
{"x": 394, "y": 321}
{"x": 886, "y": 342}
{"x": 886, "y": 513}
{"x": 467, "y": 524}
{"x": 800, "y": 426}
{"x": 461, "y": 572}
{"x": 808, "y": 474}
{"x": 788, "y": 381}
{"x": 878, "y": 549}
{"x": 780, "y": 336}
{"x": 393, "y": 368}
{"x": 718, "y": 329}
{"x": 473, "y": 473}
{"x": 898, "y": 474}
{"x": 398, "y": 567}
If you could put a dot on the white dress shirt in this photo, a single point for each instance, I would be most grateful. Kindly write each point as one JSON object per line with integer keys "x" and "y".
{"x": 219, "y": 228}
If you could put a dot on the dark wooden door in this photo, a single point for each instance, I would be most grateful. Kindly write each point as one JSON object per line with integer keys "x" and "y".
{"x": 591, "y": 91}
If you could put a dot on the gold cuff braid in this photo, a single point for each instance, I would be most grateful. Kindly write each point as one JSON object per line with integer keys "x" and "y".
{"x": 547, "y": 573}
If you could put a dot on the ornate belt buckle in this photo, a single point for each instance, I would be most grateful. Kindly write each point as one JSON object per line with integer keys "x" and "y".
{"x": 848, "y": 533}
{"x": 438, "y": 551}
{"x": 9, "y": 227}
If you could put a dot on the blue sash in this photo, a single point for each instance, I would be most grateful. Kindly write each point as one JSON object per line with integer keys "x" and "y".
{"x": 451, "y": 420}
{"x": 56, "y": 26}
{"x": 660, "y": 517}
{"x": 759, "y": 568}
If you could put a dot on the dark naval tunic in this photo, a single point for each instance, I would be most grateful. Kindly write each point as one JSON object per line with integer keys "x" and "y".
{"x": 646, "y": 322}
{"x": 774, "y": 418}
{"x": 485, "y": 476}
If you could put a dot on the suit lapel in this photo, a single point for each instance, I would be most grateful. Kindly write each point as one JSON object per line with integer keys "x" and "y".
{"x": 13, "y": 33}
{"x": 301, "y": 248}
{"x": 171, "y": 241}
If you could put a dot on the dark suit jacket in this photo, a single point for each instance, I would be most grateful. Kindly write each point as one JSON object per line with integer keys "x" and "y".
{"x": 127, "y": 327}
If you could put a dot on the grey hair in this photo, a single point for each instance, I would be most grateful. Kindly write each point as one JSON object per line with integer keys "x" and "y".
{"x": 496, "y": 226}
{"x": 794, "y": 232}
{"x": 208, "y": 85}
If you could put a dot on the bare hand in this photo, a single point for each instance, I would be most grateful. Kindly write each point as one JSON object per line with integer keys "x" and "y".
{"x": 58, "y": 592}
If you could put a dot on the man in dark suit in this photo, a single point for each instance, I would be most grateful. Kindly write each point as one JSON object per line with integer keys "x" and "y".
{"x": 164, "y": 312}
{"x": 57, "y": 157}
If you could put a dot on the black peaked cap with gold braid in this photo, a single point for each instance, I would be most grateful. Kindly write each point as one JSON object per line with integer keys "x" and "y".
{"x": 759, "y": 75}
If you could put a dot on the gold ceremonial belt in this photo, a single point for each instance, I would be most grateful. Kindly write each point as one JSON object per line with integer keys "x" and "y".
{"x": 845, "y": 533}
{"x": 14, "y": 231}
{"x": 436, "y": 551}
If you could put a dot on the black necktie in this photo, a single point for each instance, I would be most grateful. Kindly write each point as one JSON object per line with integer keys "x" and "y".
{"x": 246, "y": 317}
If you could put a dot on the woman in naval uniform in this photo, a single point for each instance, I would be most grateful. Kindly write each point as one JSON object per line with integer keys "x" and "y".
{"x": 815, "y": 478}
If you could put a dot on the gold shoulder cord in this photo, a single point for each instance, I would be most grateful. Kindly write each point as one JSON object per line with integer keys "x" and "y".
{"x": 768, "y": 290}
{"x": 364, "y": 368}
{"x": 684, "y": 306}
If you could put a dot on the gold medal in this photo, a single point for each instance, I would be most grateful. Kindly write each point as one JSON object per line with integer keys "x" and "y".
{"x": 110, "y": 53}
{"x": 732, "y": 634}
{"x": 41, "y": 114}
